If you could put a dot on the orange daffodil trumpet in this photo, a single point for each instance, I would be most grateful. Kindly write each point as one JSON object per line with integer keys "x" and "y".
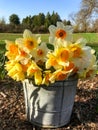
{"x": 45, "y": 63}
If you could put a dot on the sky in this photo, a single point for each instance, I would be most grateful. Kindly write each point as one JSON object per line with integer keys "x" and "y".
{"x": 24, "y": 8}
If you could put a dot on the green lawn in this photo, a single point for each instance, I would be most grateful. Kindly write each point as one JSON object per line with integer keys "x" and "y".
{"x": 8, "y": 36}
{"x": 92, "y": 38}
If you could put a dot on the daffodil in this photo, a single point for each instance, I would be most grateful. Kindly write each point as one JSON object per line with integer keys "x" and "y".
{"x": 32, "y": 69}
{"x": 26, "y": 66}
{"x": 87, "y": 64}
{"x": 38, "y": 77}
{"x": 47, "y": 75}
{"x": 15, "y": 71}
{"x": 35, "y": 72}
{"x": 29, "y": 41}
{"x": 62, "y": 55}
{"x": 60, "y": 31}
{"x": 52, "y": 62}
{"x": 76, "y": 50}
{"x": 23, "y": 57}
{"x": 19, "y": 76}
{"x": 39, "y": 54}
{"x": 9, "y": 65}
{"x": 58, "y": 75}
{"x": 12, "y": 50}
{"x": 77, "y": 47}
{"x": 92, "y": 68}
{"x": 59, "y": 43}
{"x": 70, "y": 67}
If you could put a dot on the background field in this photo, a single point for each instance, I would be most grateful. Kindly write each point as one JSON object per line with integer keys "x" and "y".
{"x": 92, "y": 38}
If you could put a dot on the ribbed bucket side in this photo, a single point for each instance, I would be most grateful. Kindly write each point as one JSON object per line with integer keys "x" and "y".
{"x": 50, "y": 106}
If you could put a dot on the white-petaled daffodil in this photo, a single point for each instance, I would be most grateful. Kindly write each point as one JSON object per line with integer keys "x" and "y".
{"x": 60, "y": 31}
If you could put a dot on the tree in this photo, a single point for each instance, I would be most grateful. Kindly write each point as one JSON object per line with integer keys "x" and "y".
{"x": 14, "y": 19}
{"x": 68, "y": 22}
{"x": 41, "y": 19}
{"x": 88, "y": 11}
{"x": 54, "y": 18}
{"x": 91, "y": 6}
{"x": 27, "y": 22}
{"x": 2, "y": 24}
{"x": 2, "y": 21}
{"x": 35, "y": 20}
{"x": 95, "y": 25}
{"x": 48, "y": 20}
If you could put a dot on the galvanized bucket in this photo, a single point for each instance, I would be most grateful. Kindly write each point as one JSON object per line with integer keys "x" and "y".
{"x": 50, "y": 107}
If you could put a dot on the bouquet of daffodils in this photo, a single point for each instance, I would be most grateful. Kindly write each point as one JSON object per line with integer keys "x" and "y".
{"x": 45, "y": 63}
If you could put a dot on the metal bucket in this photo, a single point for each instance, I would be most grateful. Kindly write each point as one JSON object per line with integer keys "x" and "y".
{"x": 50, "y": 106}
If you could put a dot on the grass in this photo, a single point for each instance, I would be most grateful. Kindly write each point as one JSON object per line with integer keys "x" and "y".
{"x": 8, "y": 36}
{"x": 92, "y": 38}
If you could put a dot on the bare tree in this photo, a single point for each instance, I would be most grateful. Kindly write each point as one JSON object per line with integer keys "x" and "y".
{"x": 88, "y": 11}
{"x": 90, "y": 5}
{"x": 95, "y": 25}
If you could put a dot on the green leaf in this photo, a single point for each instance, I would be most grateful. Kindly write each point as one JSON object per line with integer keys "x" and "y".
{"x": 2, "y": 65}
{"x": 50, "y": 46}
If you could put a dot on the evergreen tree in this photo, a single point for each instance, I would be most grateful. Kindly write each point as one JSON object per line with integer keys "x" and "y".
{"x": 14, "y": 19}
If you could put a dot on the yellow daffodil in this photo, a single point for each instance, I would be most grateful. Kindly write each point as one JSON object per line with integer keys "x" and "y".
{"x": 69, "y": 67}
{"x": 38, "y": 77}
{"x": 52, "y": 62}
{"x": 9, "y": 65}
{"x": 12, "y": 50}
{"x": 58, "y": 75}
{"x": 32, "y": 69}
{"x": 62, "y": 55}
{"x": 26, "y": 66}
{"x": 28, "y": 42}
{"x": 19, "y": 76}
{"x": 76, "y": 50}
{"x": 15, "y": 71}
{"x": 47, "y": 75}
